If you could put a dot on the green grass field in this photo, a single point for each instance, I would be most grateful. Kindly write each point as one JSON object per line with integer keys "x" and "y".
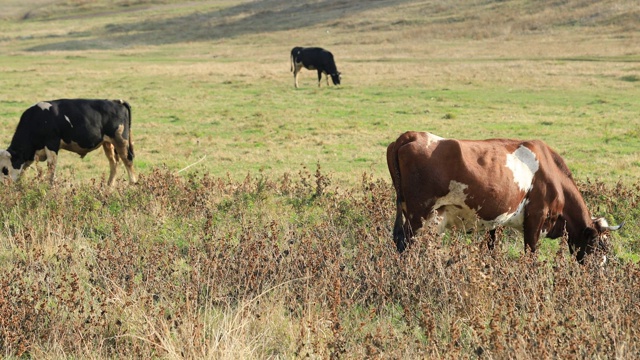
{"x": 228, "y": 151}
{"x": 210, "y": 78}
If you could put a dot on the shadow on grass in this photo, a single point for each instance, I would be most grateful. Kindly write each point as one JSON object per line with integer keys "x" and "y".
{"x": 248, "y": 18}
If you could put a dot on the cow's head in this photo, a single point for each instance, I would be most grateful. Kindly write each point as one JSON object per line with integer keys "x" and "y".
{"x": 7, "y": 166}
{"x": 336, "y": 78}
{"x": 594, "y": 238}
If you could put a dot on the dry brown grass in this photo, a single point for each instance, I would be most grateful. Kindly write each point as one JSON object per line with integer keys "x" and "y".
{"x": 208, "y": 267}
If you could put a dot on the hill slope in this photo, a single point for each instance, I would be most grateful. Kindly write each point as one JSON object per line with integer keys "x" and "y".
{"x": 180, "y": 21}
{"x": 211, "y": 77}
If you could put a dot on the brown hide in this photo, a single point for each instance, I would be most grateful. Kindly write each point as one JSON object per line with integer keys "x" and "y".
{"x": 434, "y": 176}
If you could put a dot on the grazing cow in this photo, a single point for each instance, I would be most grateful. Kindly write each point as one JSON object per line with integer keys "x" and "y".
{"x": 499, "y": 182}
{"x": 78, "y": 125}
{"x": 314, "y": 58}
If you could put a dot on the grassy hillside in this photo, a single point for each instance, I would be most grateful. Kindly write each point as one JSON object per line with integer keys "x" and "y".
{"x": 211, "y": 78}
{"x": 261, "y": 224}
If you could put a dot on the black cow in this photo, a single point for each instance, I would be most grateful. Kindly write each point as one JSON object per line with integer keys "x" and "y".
{"x": 314, "y": 58}
{"x": 78, "y": 125}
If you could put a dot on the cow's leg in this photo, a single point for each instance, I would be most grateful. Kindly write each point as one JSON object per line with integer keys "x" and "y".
{"x": 491, "y": 241}
{"x": 40, "y": 155}
{"x": 52, "y": 160}
{"x": 319, "y": 78}
{"x": 411, "y": 227}
{"x": 128, "y": 164}
{"x": 412, "y": 224}
{"x": 400, "y": 234}
{"x": 326, "y": 77}
{"x": 113, "y": 161}
{"x": 531, "y": 229}
{"x": 122, "y": 150}
{"x": 296, "y": 71}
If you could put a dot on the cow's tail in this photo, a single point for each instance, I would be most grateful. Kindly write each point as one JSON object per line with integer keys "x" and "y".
{"x": 291, "y": 61}
{"x": 130, "y": 153}
{"x": 399, "y": 236}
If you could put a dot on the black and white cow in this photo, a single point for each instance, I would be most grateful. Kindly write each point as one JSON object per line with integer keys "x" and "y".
{"x": 77, "y": 125}
{"x": 314, "y": 58}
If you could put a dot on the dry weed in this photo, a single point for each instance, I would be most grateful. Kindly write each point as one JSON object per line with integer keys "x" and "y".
{"x": 204, "y": 267}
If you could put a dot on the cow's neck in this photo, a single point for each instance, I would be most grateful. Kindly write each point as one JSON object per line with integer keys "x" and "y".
{"x": 576, "y": 213}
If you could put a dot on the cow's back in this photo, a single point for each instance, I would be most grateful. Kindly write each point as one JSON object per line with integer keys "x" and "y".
{"x": 90, "y": 120}
{"x": 434, "y": 173}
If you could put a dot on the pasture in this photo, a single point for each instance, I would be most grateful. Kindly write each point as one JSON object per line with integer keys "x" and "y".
{"x": 261, "y": 224}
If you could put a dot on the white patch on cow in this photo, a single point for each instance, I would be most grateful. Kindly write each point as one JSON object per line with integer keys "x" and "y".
{"x": 524, "y": 165}
{"x": 43, "y": 105}
{"x": 601, "y": 221}
{"x": 69, "y": 121}
{"x": 513, "y": 219}
{"x": 7, "y": 169}
{"x": 455, "y": 196}
{"x": 452, "y": 210}
{"x": 432, "y": 139}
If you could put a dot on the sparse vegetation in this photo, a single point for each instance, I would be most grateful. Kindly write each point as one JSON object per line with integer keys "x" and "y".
{"x": 205, "y": 267}
{"x": 251, "y": 252}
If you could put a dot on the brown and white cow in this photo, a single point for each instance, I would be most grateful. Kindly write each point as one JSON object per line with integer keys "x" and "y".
{"x": 520, "y": 184}
{"x": 77, "y": 125}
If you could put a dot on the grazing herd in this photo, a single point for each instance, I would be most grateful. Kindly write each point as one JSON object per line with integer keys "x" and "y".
{"x": 439, "y": 182}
